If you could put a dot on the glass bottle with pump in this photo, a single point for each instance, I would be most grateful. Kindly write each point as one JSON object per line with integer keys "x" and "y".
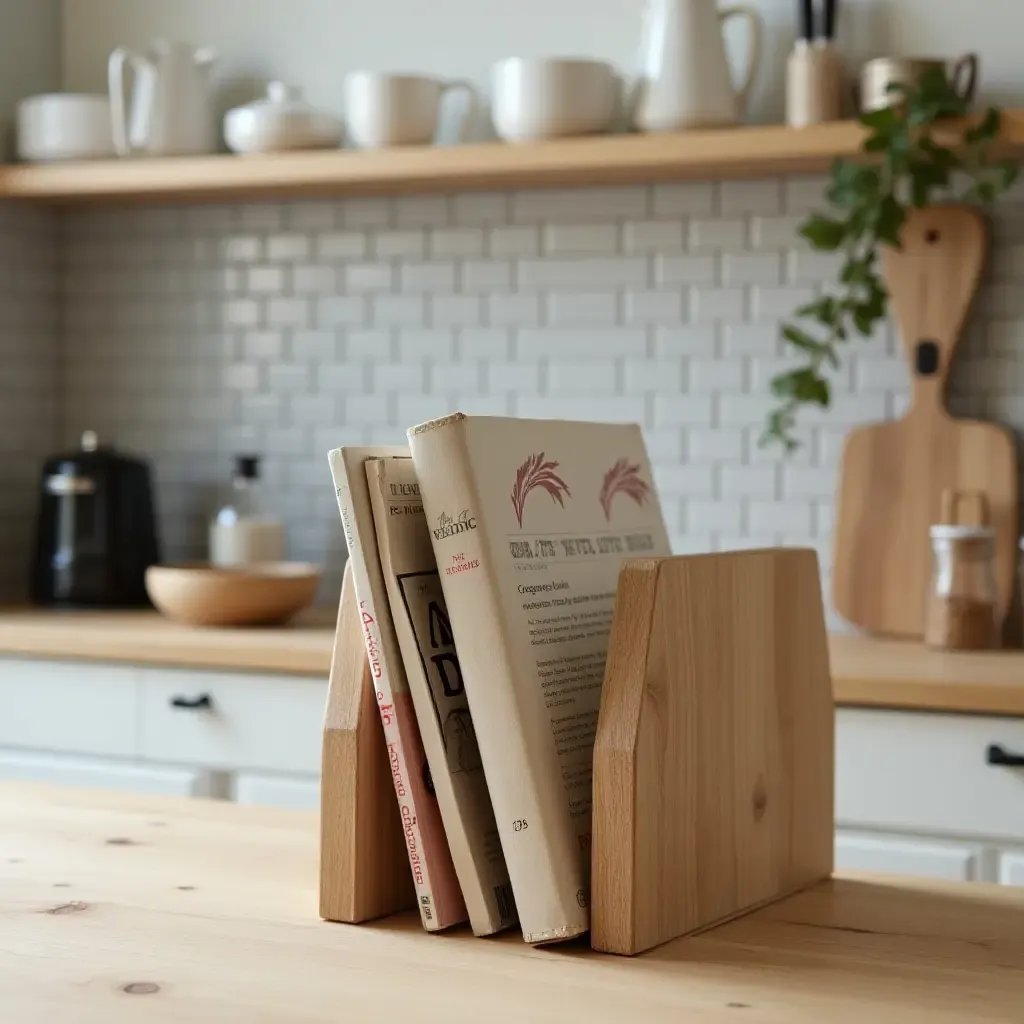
{"x": 241, "y": 533}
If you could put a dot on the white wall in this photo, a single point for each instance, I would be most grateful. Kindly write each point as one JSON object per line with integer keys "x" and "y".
{"x": 314, "y": 42}
{"x": 29, "y": 55}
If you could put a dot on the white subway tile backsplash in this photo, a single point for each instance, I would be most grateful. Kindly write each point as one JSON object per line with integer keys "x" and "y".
{"x": 480, "y": 208}
{"x": 290, "y": 328}
{"x": 456, "y": 310}
{"x": 559, "y": 239}
{"x": 514, "y": 310}
{"x": 688, "y": 198}
{"x": 654, "y": 307}
{"x": 752, "y": 268}
{"x": 317, "y": 280}
{"x": 402, "y": 245}
{"x": 486, "y": 275}
{"x": 652, "y": 235}
{"x": 509, "y": 240}
{"x": 342, "y": 245}
{"x": 750, "y": 196}
{"x": 686, "y": 269}
{"x": 579, "y": 204}
{"x": 537, "y": 342}
{"x": 724, "y": 233}
{"x": 287, "y": 248}
{"x": 588, "y": 377}
{"x": 583, "y": 272}
{"x": 447, "y": 243}
{"x": 568, "y": 309}
{"x": 427, "y": 277}
{"x": 367, "y": 277}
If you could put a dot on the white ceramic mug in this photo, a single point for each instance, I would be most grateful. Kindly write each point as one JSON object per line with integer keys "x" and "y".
{"x": 552, "y": 97}
{"x": 64, "y": 126}
{"x": 383, "y": 110}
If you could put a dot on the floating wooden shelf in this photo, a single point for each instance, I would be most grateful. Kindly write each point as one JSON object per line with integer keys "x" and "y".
{"x": 755, "y": 151}
{"x": 601, "y": 160}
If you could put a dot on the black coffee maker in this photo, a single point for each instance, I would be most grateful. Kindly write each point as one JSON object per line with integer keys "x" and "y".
{"x": 96, "y": 531}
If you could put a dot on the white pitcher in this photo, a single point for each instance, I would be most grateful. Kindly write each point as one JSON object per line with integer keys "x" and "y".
{"x": 685, "y": 77}
{"x": 172, "y": 101}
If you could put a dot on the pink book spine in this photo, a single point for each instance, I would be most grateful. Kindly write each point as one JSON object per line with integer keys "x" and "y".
{"x": 438, "y": 896}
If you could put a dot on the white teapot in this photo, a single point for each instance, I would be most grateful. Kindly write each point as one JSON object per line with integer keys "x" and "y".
{"x": 685, "y": 77}
{"x": 172, "y": 101}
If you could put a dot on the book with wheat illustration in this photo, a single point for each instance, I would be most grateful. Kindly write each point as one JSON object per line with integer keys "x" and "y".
{"x": 531, "y": 521}
{"x": 434, "y": 676}
{"x": 438, "y": 894}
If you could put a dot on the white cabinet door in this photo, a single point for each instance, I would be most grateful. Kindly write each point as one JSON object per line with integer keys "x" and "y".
{"x": 906, "y": 855}
{"x": 278, "y": 791}
{"x": 68, "y": 707}
{"x": 97, "y": 773}
{"x": 1011, "y": 869}
{"x": 265, "y": 724}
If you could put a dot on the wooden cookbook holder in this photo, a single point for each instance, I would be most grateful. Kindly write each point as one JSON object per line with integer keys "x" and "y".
{"x": 713, "y": 766}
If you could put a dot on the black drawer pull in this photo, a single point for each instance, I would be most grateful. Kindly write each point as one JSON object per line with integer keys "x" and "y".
{"x": 1002, "y": 758}
{"x": 204, "y": 702}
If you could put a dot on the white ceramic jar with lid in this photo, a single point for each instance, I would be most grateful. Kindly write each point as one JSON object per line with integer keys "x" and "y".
{"x": 281, "y": 122}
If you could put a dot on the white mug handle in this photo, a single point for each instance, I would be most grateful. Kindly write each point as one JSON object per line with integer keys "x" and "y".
{"x": 118, "y": 108}
{"x": 754, "y": 54}
{"x": 472, "y": 103}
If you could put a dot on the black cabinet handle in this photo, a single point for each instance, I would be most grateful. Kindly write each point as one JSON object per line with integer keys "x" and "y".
{"x": 204, "y": 702}
{"x": 1002, "y": 758}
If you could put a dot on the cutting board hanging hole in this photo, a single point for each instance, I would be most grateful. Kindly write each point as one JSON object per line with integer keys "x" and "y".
{"x": 932, "y": 236}
{"x": 926, "y": 358}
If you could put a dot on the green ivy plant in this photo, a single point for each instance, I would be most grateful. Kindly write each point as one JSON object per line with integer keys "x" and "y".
{"x": 870, "y": 201}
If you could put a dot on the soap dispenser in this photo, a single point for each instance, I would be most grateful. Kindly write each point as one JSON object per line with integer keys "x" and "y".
{"x": 241, "y": 532}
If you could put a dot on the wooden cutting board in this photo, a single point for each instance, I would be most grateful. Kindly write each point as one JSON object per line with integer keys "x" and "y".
{"x": 893, "y": 475}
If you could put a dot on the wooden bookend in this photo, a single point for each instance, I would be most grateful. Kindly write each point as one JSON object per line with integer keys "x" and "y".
{"x": 713, "y": 767}
{"x": 364, "y": 867}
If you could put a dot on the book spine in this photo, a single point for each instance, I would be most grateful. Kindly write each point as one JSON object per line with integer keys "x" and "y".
{"x": 529, "y": 803}
{"x": 422, "y": 628}
{"x": 401, "y": 733}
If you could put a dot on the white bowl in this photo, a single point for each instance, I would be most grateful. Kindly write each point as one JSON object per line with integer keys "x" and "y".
{"x": 538, "y": 98}
{"x": 281, "y": 122}
{"x": 64, "y": 126}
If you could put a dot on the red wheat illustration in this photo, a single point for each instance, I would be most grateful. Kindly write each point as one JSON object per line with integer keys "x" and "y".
{"x": 623, "y": 478}
{"x": 534, "y": 473}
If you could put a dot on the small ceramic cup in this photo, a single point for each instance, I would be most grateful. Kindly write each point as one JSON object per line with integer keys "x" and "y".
{"x": 384, "y": 110}
{"x": 64, "y": 126}
{"x": 552, "y": 97}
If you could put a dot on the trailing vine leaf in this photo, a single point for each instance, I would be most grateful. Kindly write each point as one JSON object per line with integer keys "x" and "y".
{"x": 869, "y": 203}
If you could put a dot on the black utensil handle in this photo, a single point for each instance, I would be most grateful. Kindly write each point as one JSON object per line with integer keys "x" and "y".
{"x": 829, "y": 26}
{"x": 1000, "y": 757}
{"x": 204, "y": 702}
{"x": 805, "y": 15}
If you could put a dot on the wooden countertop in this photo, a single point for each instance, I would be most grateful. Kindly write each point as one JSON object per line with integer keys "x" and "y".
{"x": 147, "y": 638}
{"x": 896, "y": 674}
{"x": 117, "y": 908}
{"x": 866, "y": 671}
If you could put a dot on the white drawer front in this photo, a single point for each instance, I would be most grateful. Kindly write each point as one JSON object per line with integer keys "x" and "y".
{"x": 68, "y": 706}
{"x": 277, "y": 791}
{"x": 98, "y": 774}
{"x": 1011, "y": 868}
{"x": 273, "y": 723}
{"x": 898, "y": 855}
{"x": 928, "y": 773}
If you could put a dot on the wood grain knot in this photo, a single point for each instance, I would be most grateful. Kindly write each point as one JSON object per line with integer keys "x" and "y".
{"x": 737, "y": 1006}
{"x": 122, "y": 841}
{"x": 760, "y": 798}
{"x": 74, "y": 907}
{"x": 140, "y": 988}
